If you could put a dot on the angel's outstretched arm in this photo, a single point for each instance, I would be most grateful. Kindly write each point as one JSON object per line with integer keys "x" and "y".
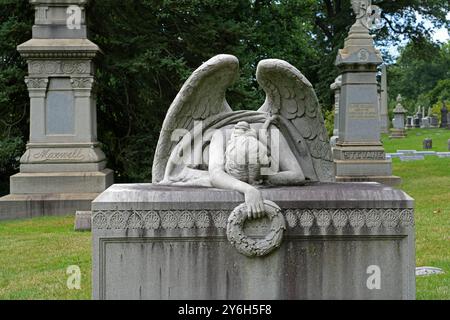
{"x": 221, "y": 179}
{"x": 290, "y": 172}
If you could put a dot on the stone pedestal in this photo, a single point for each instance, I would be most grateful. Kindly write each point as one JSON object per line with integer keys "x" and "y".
{"x": 359, "y": 154}
{"x": 63, "y": 158}
{"x": 342, "y": 241}
{"x": 426, "y": 123}
{"x": 398, "y": 131}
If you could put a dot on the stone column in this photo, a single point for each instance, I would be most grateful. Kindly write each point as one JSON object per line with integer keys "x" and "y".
{"x": 384, "y": 122}
{"x": 63, "y": 159}
{"x": 359, "y": 154}
{"x": 336, "y": 87}
{"x": 444, "y": 113}
{"x": 398, "y": 130}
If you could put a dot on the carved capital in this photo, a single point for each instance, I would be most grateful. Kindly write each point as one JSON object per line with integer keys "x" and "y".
{"x": 82, "y": 83}
{"x": 36, "y": 83}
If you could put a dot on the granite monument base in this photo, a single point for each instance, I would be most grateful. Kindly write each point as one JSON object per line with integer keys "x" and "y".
{"x": 342, "y": 241}
{"x": 61, "y": 182}
{"x": 398, "y": 134}
{"x": 53, "y": 194}
{"x": 16, "y": 206}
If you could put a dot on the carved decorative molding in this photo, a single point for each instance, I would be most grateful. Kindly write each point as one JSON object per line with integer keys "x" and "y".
{"x": 58, "y": 54}
{"x": 59, "y": 67}
{"x": 295, "y": 218}
{"x": 256, "y": 247}
{"x": 364, "y": 155}
{"x": 36, "y": 83}
{"x": 82, "y": 83}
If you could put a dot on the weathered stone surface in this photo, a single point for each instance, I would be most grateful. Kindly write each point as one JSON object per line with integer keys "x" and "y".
{"x": 63, "y": 157}
{"x": 426, "y": 123}
{"x": 427, "y": 271}
{"x": 384, "y": 97}
{"x": 428, "y": 144}
{"x": 83, "y": 221}
{"x": 412, "y": 158}
{"x": 27, "y": 206}
{"x": 155, "y": 242}
{"x": 336, "y": 87}
{"x": 359, "y": 112}
{"x": 61, "y": 182}
{"x": 398, "y": 130}
{"x": 444, "y": 116}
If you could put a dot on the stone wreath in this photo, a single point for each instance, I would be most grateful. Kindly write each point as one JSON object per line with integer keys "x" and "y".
{"x": 251, "y": 247}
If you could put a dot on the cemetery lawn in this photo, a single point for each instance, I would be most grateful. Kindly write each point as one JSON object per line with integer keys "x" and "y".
{"x": 428, "y": 182}
{"x": 34, "y": 254}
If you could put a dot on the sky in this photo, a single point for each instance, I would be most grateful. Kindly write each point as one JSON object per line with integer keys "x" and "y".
{"x": 441, "y": 35}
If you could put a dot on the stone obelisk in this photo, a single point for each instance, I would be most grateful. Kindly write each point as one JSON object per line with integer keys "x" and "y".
{"x": 63, "y": 168}
{"x": 384, "y": 117}
{"x": 359, "y": 154}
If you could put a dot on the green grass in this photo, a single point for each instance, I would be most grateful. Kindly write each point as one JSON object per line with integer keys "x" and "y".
{"x": 428, "y": 182}
{"x": 35, "y": 254}
{"x": 414, "y": 140}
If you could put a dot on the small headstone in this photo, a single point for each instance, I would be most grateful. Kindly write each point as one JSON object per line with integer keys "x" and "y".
{"x": 426, "y": 153}
{"x": 428, "y": 144}
{"x": 443, "y": 154}
{"x": 448, "y": 144}
{"x": 434, "y": 122}
{"x": 426, "y": 123}
{"x": 83, "y": 221}
{"x": 427, "y": 271}
{"x": 393, "y": 155}
{"x": 409, "y": 122}
{"x": 412, "y": 158}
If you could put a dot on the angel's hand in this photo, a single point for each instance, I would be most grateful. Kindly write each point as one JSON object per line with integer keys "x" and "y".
{"x": 255, "y": 203}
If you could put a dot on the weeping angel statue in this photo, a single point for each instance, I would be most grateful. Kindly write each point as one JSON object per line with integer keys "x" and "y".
{"x": 204, "y": 142}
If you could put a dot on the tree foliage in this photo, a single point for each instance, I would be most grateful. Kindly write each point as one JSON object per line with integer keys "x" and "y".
{"x": 421, "y": 74}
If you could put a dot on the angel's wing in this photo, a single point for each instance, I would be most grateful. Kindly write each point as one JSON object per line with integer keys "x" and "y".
{"x": 202, "y": 96}
{"x": 290, "y": 95}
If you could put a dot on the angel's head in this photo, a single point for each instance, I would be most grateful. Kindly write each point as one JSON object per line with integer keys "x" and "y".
{"x": 245, "y": 154}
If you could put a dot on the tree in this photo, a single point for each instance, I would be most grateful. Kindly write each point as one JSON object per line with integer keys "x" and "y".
{"x": 421, "y": 74}
{"x": 15, "y": 27}
{"x": 152, "y": 46}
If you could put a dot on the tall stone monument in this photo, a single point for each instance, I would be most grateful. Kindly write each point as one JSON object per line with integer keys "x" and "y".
{"x": 359, "y": 154}
{"x": 63, "y": 168}
{"x": 336, "y": 88}
{"x": 384, "y": 117}
{"x": 444, "y": 115}
{"x": 209, "y": 227}
{"x": 398, "y": 131}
